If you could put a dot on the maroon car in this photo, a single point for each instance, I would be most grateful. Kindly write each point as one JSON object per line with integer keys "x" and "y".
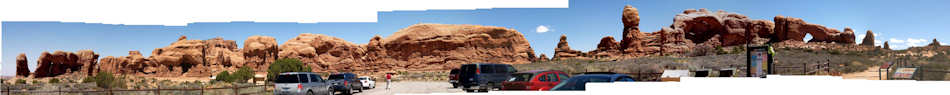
{"x": 454, "y": 78}
{"x": 534, "y": 80}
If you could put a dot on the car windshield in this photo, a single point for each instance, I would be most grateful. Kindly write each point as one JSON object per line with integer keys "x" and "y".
{"x": 364, "y": 78}
{"x": 577, "y": 83}
{"x": 521, "y": 77}
{"x": 287, "y": 79}
{"x": 336, "y": 77}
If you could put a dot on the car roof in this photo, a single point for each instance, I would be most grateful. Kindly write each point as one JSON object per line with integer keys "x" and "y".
{"x": 297, "y": 73}
{"x": 601, "y": 75}
{"x": 538, "y": 71}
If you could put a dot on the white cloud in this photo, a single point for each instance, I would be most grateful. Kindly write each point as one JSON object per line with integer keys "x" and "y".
{"x": 896, "y": 41}
{"x": 878, "y": 42}
{"x": 915, "y": 42}
{"x": 183, "y": 12}
{"x": 542, "y": 29}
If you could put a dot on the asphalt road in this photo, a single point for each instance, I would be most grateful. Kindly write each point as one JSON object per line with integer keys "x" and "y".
{"x": 411, "y": 87}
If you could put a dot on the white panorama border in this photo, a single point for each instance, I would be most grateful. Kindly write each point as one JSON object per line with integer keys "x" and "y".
{"x": 773, "y": 85}
{"x": 182, "y": 12}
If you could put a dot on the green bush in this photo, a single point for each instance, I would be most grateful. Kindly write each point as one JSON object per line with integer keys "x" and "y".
{"x": 242, "y": 75}
{"x": 36, "y": 82}
{"x": 54, "y": 80}
{"x": 103, "y": 79}
{"x": 286, "y": 65}
{"x": 20, "y": 81}
{"x": 223, "y": 76}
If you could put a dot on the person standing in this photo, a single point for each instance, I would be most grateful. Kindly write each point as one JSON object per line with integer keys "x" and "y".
{"x": 388, "y": 79}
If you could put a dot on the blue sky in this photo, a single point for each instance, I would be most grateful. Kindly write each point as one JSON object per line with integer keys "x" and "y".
{"x": 903, "y": 23}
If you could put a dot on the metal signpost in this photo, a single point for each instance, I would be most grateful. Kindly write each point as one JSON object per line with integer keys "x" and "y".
{"x": 759, "y": 61}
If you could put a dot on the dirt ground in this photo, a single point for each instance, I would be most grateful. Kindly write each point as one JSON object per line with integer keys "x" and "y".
{"x": 870, "y": 74}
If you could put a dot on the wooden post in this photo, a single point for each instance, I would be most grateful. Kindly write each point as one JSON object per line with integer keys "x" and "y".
{"x": 235, "y": 89}
{"x": 805, "y": 69}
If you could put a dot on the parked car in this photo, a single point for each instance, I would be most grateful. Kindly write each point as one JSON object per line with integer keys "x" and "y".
{"x": 368, "y": 82}
{"x": 454, "y": 78}
{"x": 301, "y": 83}
{"x": 578, "y": 82}
{"x": 345, "y": 83}
{"x": 484, "y": 76}
{"x": 534, "y": 80}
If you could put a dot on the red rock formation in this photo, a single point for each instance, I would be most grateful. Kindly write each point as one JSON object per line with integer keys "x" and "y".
{"x": 59, "y": 62}
{"x": 320, "y": 51}
{"x": 632, "y": 38}
{"x": 564, "y": 51}
{"x": 794, "y": 29}
{"x": 135, "y": 63}
{"x": 543, "y": 58}
{"x": 259, "y": 51}
{"x": 195, "y": 57}
{"x": 441, "y": 46}
{"x": 934, "y": 43}
{"x": 22, "y": 69}
{"x": 887, "y": 47}
{"x": 734, "y": 29}
{"x": 868, "y": 38}
{"x": 607, "y": 47}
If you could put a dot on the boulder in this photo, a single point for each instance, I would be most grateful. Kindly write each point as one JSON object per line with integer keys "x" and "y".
{"x": 868, "y": 38}
{"x": 22, "y": 69}
{"x": 259, "y": 51}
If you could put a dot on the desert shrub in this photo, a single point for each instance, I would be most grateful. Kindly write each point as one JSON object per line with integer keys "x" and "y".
{"x": 286, "y": 65}
{"x": 35, "y": 82}
{"x": 20, "y": 81}
{"x": 242, "y": 74}
{"x": 719, "y": 50}
{"x": 54, "y": 80}
{"x": 103, "y": 79}
{"x": 223, "y": 76}
{"x": 702, "y": 50}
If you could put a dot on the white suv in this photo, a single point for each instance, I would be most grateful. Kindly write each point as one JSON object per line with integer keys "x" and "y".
{"x": 368, "y": 82}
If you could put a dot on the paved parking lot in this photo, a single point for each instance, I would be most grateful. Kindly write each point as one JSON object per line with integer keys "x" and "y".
{"x": 411, "y": 87}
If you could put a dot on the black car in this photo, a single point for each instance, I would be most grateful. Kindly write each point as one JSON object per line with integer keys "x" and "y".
{"x": 345, "y": 83}
{"x": 578, "y": 82}
{"x": 484, "y": 76}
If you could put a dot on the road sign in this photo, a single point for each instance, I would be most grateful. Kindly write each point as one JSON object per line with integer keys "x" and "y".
{"x": 905, "y": 73}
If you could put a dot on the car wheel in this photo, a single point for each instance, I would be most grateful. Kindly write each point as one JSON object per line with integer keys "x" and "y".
{"x": 469, "y": 90}
{"x": 455, "y": 85}
{"x": 349, "y": 92}
{"x": 361, "y": 89}
{"x": 310, "y": 92}
{"x": 330, "y": 91}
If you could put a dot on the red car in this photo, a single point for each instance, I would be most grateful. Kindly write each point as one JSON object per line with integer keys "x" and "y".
{"x": 534, "y": 80}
